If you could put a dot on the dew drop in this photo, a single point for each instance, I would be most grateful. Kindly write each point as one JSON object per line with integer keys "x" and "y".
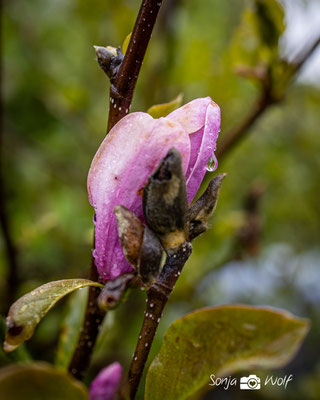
{"x": 212, "y": 164}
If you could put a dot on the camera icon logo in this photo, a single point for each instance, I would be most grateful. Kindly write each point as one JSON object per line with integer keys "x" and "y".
{"x": 251, "y": 382}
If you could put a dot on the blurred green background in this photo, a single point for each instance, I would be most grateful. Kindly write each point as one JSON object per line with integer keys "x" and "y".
{"x": 55, "y": 102}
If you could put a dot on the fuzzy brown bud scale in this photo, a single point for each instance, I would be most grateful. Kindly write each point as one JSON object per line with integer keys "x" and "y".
{"x": 141, "y": 247}
{"x": 165, "y": 201}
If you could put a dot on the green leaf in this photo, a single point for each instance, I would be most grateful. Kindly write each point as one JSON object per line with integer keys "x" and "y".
{"x": 39, "y": 381}
{"x": 125, "y": 43}
{"x": 71, "y": 326}
{"x": 220, "y": 341}
{"x": 162, "y": 110}
{"x": 270, "y": 21}
{"x": 25, "y": 314}
{"x": 255, "y": 42}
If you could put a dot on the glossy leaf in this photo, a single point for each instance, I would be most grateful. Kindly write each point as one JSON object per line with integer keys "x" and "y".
{"x": 221, "y": 340}
{"x": 25, "y": 314}
{"x": 162, "y": 110}
{"x": 39, "y": 381}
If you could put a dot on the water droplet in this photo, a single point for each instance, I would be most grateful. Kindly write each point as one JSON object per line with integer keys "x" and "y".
{"x": 94, "y": 253}
{"x": 212, "y": 163}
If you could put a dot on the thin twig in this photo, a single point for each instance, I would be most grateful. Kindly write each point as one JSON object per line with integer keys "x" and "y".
{"x": 89, "y": 332}
{"x": 233, "y": 137}
{"x": 121, "y": 91}
{"x": 304, "y": 56}
{"x": 157, "y": 298}
{"x": 121, "y": 94}
{"x": 10, "y": 247}
{"x": 263, "y": 103}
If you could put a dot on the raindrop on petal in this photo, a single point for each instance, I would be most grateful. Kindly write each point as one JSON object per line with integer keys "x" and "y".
{"x": 212, "y": 163}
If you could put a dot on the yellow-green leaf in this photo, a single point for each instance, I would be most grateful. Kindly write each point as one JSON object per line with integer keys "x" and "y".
{"x": 162, "y": 110}
{"x": 39, "y": 381}
{"x": 25, "y": 314}
{"x": 125, "y": 43}
{"x": 220, "y": 341}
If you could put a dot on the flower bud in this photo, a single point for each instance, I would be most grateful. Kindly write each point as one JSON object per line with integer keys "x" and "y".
{"x": 127, "y": 157}
{"x": 165, "y": 200}
{"x": 107, "y": 383}
{"x": 204, "y": 207}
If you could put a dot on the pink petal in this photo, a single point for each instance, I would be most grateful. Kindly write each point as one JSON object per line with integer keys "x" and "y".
{"x": 120, "y": 169}
{"x": 106, "y": 383}
{"x": 201, "y": 119}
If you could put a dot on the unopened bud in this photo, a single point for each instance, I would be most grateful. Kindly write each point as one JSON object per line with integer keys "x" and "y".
{"x": 165, "y": 200}
{"x": 113, "y": 292}
{"x": 109, "y": 59}
{"x": 203, "y": 208}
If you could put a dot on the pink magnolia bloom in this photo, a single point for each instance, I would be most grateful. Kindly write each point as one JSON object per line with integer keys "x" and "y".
{"x": 106, "y": 383}
{"x": 130, "y": 153}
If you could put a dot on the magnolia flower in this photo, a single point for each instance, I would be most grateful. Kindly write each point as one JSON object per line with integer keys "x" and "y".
{"x": 106, "y": 383}
{"x": 129, "y": 155}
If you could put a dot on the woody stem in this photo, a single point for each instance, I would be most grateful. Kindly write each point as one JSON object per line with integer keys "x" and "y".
{"x": 157, "y": 297}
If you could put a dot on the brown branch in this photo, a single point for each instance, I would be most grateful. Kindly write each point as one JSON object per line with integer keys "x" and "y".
{"x": 157, "y": 298}
{"x": 121, "y": 93}
{"x": 304, "y": 56}
{"x": 265, "y": 100}
{"x": 89, "y": 332}
{"x": 10, "y": 247}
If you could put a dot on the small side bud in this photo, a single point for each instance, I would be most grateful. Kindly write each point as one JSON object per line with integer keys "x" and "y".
{"x": 113, "y": 292}
{"x": 165, "y": 201}
{"x": 109, "y": 59}
{"x": 204, "y": 207}
{"x": 140, "y": 246}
